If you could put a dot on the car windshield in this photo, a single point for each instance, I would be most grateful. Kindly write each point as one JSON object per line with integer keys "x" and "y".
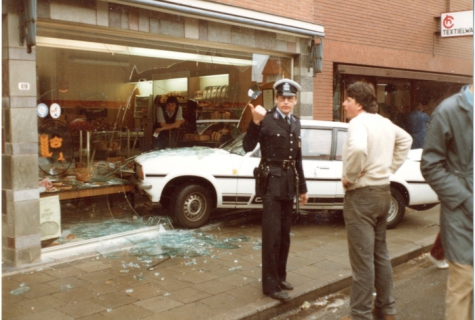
{"x": 235, "y": 145}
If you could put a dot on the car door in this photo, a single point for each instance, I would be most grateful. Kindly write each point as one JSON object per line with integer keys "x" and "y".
{"x": 339, "y": 138}
{"x": 246, "y": 186}
{"x": 322, "y": 171}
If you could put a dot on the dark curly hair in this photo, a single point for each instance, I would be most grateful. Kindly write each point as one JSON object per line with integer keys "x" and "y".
{"x": 172, "y": 99}
{"x": 364, "y": 94}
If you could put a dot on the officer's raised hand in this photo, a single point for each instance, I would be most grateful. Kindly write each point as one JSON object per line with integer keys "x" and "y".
{"x": 258, "y": 113}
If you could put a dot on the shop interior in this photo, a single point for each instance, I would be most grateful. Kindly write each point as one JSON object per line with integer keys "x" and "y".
{"x": 96, "y": 109}
{"x": 397, "y": 97}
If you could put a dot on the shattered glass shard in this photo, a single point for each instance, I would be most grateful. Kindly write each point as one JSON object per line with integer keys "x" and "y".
{"x": 226, "y": 245}
{"x": 139, "y": 277}
{"x": 235, "y": 268}
{"x": 149, "y": 248}
{"x": 166, "y": 243}
{"x": 20, "y": 290}
{"x": 257, "y": 245}
{"x": 239, "y": 238}
{"x": 90, "y": 230}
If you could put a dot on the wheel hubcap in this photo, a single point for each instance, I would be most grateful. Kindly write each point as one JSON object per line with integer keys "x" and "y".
{"x": 195, "y": 206}
{"x": 393, "y": 209}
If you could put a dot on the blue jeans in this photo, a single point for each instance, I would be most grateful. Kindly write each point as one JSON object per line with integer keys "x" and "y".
{"x": 365, "y": 211}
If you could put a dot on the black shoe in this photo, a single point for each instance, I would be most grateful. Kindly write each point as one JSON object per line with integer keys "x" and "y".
{"x": 286, "y": 285}
{"x": 280, "y": 295}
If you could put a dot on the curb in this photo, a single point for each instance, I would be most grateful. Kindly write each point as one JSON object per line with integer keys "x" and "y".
{"x": 276, "y": 308}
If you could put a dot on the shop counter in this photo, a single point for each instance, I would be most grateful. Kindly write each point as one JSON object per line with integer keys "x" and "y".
{"x": 76, "y": 190}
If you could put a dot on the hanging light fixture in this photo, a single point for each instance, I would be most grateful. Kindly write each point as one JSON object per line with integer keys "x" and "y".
{"x": 63, "y": 86}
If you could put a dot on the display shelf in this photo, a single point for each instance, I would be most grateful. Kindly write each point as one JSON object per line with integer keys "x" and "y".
{"x": 143, "y": 106}
{"x": 98, "y": 145}
{"x": 85, "y": 190}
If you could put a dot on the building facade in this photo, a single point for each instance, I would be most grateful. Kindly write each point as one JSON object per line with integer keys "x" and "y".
{"x": 89, "y": 90}
{"x": 397, "y": 47}
{"x": 86, "y": 96}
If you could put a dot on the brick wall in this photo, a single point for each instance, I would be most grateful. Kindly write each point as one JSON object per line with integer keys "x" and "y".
{"x": 390, "y": 34}
{"x": 323, "y": 93}
{"x": 459, "y": 5}
{"x": 402, "y": 25}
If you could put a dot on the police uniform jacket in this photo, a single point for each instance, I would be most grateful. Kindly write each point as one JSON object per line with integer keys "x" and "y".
{"x": 279, "y": 141}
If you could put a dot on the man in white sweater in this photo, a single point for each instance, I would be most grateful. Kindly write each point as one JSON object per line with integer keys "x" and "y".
{"x": 374, "y": 149}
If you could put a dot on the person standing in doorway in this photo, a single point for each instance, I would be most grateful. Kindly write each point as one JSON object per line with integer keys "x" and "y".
{"x": 447, "y": 166}
{"x": 279, "y": 179}
{"x": 169, "y": 119}
{"x": 375, "y": 148}
{"x": 416, "y": 125}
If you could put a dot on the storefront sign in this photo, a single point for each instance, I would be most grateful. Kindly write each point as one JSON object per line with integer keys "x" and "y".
{"x": 55, "y": 111}
{"x": 50, "y": 217}
{"x": 56, "y": 148}
{"x": 456, "y": 24}
{"x": 42, "y": 110}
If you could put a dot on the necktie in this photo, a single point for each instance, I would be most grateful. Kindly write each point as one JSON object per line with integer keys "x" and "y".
{"x": 287, "y": 119}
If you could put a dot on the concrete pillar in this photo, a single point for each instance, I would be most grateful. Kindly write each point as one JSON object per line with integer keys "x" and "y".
{"x": 21, "y": 238}
{"x": 304, "y": 77}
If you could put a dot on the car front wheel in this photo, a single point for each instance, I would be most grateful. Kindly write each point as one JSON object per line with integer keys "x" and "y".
{"x": 396, "y": 209}
{"x": 191, "y": 206}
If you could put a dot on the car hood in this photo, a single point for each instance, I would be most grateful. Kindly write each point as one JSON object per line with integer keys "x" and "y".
{"x": 194, "y": 152}
{"x": 180, "y": 159}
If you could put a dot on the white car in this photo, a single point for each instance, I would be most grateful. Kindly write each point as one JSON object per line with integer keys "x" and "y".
{"x": 191, "y": 182}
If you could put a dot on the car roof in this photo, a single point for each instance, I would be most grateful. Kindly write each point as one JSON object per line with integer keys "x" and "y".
{"x": 321, "y": 123}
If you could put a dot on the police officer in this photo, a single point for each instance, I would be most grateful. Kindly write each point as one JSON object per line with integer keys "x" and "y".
{"x": 278, "y": 132}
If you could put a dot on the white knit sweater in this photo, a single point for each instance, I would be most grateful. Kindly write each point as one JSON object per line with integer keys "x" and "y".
{"x": 374, "y": 146}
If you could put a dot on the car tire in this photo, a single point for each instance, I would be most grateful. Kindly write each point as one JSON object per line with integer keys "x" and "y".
{"x": 397, "y": 209}
{"x": 165, "y": 202}
{"x": 423, "y": 207}
{"x": 191, "y": 206}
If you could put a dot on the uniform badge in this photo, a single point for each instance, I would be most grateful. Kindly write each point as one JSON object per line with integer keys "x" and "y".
{"x": 286, "y": 87}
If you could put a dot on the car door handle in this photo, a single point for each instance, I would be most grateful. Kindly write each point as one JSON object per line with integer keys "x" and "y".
{"x": 324, "y": 168}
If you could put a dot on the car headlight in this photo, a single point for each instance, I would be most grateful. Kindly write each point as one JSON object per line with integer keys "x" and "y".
{"x": 138, "y": 171}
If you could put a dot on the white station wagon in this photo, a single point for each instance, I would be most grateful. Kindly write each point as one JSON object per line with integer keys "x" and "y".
{"x": 192, "y": 182}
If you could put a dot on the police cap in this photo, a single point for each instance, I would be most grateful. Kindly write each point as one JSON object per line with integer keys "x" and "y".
{"x": 286, "y": 88}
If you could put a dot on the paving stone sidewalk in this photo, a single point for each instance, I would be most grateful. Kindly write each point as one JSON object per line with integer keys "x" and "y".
{"x": 219, "y": 277}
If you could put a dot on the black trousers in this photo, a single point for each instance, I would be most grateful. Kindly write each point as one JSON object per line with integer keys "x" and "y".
{"x": 276, "y": 223}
